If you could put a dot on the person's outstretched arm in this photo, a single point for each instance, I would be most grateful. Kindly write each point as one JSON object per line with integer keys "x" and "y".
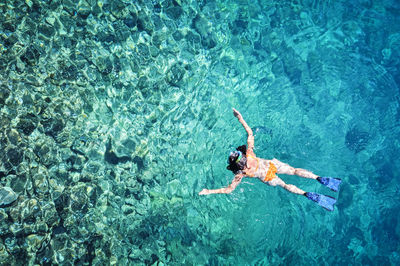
{"x": 226, "y": 190}
{"x": 250, "y": 136}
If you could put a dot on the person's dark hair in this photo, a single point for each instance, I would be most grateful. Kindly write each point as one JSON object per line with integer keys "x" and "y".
{"x": 237, "y": 166}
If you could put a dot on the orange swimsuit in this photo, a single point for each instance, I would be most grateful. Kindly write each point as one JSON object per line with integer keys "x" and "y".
{"x": 265, "y": 171}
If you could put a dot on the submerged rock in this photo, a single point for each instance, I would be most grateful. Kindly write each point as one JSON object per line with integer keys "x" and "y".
{"x": 13, "y": 137}
{"x": 31, "y": 56}
{"x": 34, "y": 242}
{"x": 83, "y": 9}
{"x": 175, "y": 74}
{"x": 356, "y": 140}
{"x": 53, "y": 125}
{"x": 3, "y": 223}
{"x": 26, "y": 126}
{"x": 15, "y": 155}
{"x": 112, "y": 157}
{"x": 27, "y": 123}
{"x": 118, "y": 9}
{"x": 4, "y": 93}
{"x": 7, "y": 196}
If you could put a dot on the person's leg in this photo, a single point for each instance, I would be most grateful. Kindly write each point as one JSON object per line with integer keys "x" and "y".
{"x": 291, "y": 188}
{"x": 284, "y": 168}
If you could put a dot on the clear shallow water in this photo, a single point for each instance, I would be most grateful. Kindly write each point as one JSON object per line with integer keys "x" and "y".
{"x": 122, "y": 113}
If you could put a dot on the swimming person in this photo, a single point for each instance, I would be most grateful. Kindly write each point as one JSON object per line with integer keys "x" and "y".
{"x": 244, "y": 162}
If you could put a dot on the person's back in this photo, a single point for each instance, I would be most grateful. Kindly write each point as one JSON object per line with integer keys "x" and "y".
{"x": 262, "y": 169}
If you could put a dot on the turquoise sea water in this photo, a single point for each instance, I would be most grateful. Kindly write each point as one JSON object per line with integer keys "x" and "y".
{"x": 115, "y": 114}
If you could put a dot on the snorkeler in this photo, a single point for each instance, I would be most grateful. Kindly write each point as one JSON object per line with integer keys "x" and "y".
{"x": 243, "y": 162}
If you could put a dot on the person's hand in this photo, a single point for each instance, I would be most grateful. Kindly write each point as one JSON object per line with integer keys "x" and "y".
{"x": 204, "y": 192}
{"x": 236, "y": 113}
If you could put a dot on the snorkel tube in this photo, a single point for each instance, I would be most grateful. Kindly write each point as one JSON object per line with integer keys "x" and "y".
{"x": 240, "y": 155}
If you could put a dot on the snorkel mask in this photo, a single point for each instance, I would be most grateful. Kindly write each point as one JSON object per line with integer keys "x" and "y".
{"x": 237, "y": 154}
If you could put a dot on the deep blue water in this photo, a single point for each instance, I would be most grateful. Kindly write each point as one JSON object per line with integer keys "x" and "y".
{"x": 115, "y": 114}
